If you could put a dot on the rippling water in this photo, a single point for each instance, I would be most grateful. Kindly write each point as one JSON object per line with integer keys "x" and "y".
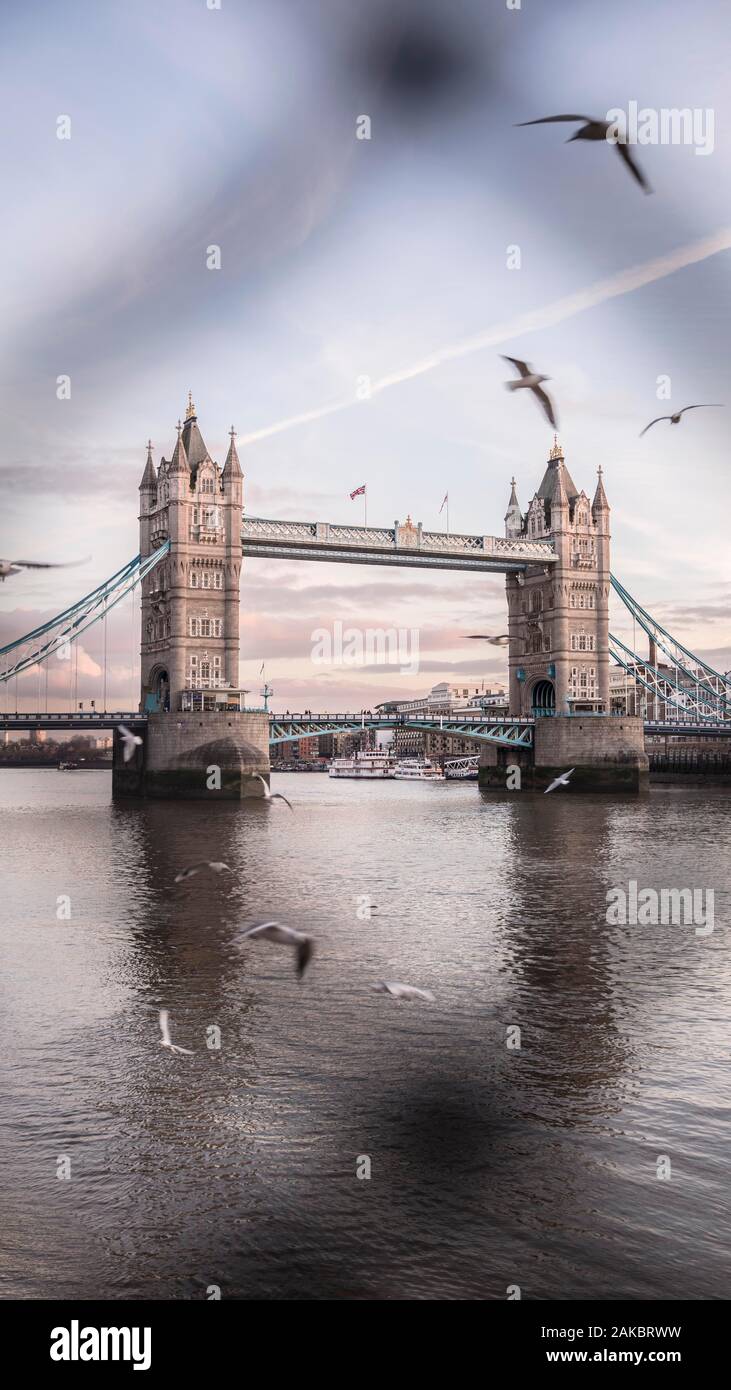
{"x": 237, "y": 1167}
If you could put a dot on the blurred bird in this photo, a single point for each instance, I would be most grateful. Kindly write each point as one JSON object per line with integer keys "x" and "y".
{"x": 8, "y": 567}
{"x": 215, "y": 865}
{"x": 675, "y": 419}
{"x": 561, "y": 781}
{"x": 130, "y": 741}
{"x": 269, "y": 795}
{"x": 501, "y": 640}
{"x": 403, "y": 991}
{"x": 532, "y": 382}
{"x": 302, "y": 944}
{"x": 165, "y": 1039}
{"x": 597, "y": 130}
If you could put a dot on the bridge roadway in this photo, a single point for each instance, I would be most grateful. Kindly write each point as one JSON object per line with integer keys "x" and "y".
{"x": 286, "y": 728}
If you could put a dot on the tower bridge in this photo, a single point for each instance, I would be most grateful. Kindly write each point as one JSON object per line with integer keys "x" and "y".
{"x": 194, "y": 537}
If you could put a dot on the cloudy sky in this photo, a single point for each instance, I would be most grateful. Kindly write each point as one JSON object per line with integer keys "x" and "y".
{"x": 344, "y": 259}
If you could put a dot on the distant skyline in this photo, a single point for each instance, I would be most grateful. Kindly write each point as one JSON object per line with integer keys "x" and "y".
{"x": 347, "y": 261}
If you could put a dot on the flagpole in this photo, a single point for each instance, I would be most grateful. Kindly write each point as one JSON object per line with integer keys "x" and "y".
{"x": 447, "y": 513}
{"x": 365, "y": 504}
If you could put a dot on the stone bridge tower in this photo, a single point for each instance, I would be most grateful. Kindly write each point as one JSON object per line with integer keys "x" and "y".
{"x": 190, "y": 601}
{"x": 559, "y": 615}
{"x": 199, "y": 739}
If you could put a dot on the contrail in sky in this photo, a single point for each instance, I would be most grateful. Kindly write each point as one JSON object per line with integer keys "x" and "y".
{"x": 557, "y": 312}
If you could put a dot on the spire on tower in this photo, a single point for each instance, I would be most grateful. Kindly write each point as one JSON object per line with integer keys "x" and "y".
{"x": 600, "y": 503}
{"x": 557, "y": 449}
{"x": 190, "y": 410}
{"x": 179, "y": 461}
{"x": 513, "y": 516}
{"x": 560, "y": 495}
{"x": 232, "y": 467}
{"x": 149, "y": 477}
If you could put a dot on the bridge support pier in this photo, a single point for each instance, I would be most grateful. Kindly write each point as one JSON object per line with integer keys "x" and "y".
{"x": 196, "y": 757}
{"x": 607, "y": 752}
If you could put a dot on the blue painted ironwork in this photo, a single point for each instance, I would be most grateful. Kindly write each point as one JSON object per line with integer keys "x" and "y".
{"x": 508, "y": 732}
{"x": 662, "y": 687}
{"x": 65, "y": 627}
{"x": 709, "y": 681}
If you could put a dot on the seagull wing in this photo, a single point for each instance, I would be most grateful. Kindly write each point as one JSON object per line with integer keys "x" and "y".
{"x": 654, "y": 422}
{"x": 191, "y": 869}
{"x": 522, "y": 367}
{"x": 164, "y": 1029}
{"x": 277, "y": 796}
{"x": 703, "y": 405}
{"x": 46, "y": 565}
{"x": 636, "y": 172}
{"x": 260, "y": 930}
{"x": 566, "y": 775}
{"x": 304, "y": 955}
{"x": 547, "y": 405}
{"x": 547, "y": 120}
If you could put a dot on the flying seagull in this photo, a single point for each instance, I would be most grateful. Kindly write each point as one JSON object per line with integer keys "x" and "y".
{"x": 130, "y": 742}
{"x": 561, "y": 781}
{"x": 284, "y": 936}
{"x": 269, "y": 795}
{"x": 675, "y": 419}
{"x": 165, "y": 1039}
{"x": 214, "y": 864}
{"x": 8, "y": 567}
{"x": 532, "y": 380}
{"x": 501, "y": 640}
{"x": 597, "y": 130}
{"x": 403, "y": 991}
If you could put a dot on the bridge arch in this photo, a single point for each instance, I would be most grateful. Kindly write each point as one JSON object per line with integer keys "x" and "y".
{"x": 158, "y": 689}
{"x": 543, "y": 697}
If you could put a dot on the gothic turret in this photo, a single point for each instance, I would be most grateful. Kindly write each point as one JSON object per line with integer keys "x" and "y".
{"x": 149, "y": 477}
{"x": 179, "y": 461}
{"x": 600, "y": 503}
{"x": 232, "y": 467}
{"x": 513, "y": 517}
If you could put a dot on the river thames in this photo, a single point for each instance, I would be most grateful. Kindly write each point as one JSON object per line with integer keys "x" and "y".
{"x": 491, "y": 1166}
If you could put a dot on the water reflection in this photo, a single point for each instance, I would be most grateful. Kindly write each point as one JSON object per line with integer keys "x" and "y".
{"x": 237, "y": 1166}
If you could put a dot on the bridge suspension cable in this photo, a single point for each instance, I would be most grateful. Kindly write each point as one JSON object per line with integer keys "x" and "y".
{"x": 710, "y": 684}
{"x": 662, "y": 686}
{"x": 66, "y": 627}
